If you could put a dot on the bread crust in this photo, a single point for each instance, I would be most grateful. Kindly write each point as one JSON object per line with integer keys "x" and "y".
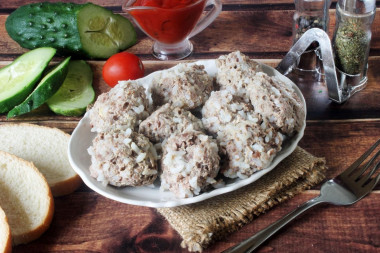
{"x": 66, "y": 187}
{"x": 7, "y": 247}
{"x": 61, "y": 188}
{"x": 36, "y": 232}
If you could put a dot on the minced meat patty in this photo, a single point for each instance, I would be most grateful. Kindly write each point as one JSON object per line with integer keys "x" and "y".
{"x": 222, "y": 108}
{"x": 167, "y": 120}
{"x": 271, "y": 98}
{"x": 248, "y": 147}
{"x": 124, "y": 106}
{"x": 234, "y": 71}
{"x": 189, "y": 164}
{"x": 278, "y": 102}
{"x": 123, "y": 158}
{"x": 185, "y": 86}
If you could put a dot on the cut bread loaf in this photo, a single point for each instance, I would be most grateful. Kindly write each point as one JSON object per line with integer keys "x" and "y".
{"x": 47, "y": 148}
{"x": 25, "y": 198}
{"x": 5, "y": 234}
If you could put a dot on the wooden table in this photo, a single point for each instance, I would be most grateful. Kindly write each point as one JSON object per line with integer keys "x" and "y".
{"x": 87, "y": 222}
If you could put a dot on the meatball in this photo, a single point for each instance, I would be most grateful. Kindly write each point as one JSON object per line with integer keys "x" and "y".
{"x": 168, "y": 120}
{"x": 222, "y": 108}
{"x": 124, "y": 106}
{"x": 234, "y": 71}
{"x": 123, "y": 158}
{"x": 189, "y": 164}
{"x": 186, "y": 86}
{"x": 278, "y": 102}
{"x": 248, "y": 146}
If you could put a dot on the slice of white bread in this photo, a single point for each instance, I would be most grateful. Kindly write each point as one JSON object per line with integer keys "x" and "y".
{"x": 25, "y": 197}
{"x": 46, "y": 147}
{"x": 5, "y": 234}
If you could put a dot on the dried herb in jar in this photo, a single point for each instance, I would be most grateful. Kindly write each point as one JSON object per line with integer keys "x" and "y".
{"x": 350, "y": 45}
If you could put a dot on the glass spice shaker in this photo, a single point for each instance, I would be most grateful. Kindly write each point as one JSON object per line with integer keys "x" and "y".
{"x": 351, "y": 42}
{"x": 310, "y": 14}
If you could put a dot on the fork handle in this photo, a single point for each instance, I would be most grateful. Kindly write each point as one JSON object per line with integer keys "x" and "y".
{"x": 256, "y": 240}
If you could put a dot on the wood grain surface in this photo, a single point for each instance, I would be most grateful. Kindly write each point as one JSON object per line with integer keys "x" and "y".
{"x": 245, "y": 27}
{"x": 87, "y": 222}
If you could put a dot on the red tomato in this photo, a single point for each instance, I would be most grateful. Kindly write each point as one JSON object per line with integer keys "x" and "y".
{"x": 122, "y": 66}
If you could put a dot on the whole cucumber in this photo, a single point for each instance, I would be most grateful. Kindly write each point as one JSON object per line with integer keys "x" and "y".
{"x": 73, "y": 29}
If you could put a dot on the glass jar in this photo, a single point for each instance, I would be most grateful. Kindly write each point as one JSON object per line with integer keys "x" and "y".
{"x": 352, "y": 37}
{"x": 310, "y": 14}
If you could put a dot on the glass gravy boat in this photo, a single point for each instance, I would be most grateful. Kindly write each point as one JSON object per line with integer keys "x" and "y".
{"x": 171, "y": 26}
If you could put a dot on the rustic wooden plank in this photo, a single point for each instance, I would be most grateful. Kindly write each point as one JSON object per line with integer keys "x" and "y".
{"x": 87, "y": 222}
{"x": 9, "y": 5}
{"x": 323, "y": 229}
{"x": 362, "y": 105}
{"x": 256, "y": 29}
{"x": 82, "y": 223}
{"x": 341, "y": 142}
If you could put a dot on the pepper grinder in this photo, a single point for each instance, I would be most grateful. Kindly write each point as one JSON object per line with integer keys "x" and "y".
{"x": 351, "y": 42}
{"x": 310, "y": 14}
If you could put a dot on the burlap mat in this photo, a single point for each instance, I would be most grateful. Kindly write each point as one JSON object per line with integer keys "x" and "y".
{"x": 211, "y": 220}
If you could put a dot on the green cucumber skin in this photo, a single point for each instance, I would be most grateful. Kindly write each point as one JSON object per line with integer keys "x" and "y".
{"x": 54, "y": 25}
{"x": 44, "y": 90}
{"x": 57, "y": 103}
{"x": 46, "y": 25}
{"x": 10, "y": 102}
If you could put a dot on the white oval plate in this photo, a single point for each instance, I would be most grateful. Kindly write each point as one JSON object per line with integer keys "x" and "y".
{"x": 151, "y": 196}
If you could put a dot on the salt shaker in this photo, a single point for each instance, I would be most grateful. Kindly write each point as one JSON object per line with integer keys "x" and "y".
{"x": 351, "y": 42}
{"x": 310, "y": 14}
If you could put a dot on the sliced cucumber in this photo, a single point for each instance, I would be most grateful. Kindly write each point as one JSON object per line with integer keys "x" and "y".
{"x": 76, "y": 92}
{"x": 18, "y": 79}
{"x": 103, "y": 33}
{"x": 44, "y": 90}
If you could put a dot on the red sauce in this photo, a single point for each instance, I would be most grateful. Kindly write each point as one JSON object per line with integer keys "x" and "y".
{"x": 171, "y": 21}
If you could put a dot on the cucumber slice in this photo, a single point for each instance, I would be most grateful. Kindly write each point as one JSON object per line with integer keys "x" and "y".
{"x": 18, "y": 79}
{"x": 49, "y": 84}
{"x": 76, "y": 92}
{"x": 103, "y": 33}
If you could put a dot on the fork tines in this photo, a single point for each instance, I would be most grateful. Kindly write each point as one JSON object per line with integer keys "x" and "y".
{"x": 357, "y": 170}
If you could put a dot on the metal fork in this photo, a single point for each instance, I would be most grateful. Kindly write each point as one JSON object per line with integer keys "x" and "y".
{"x": 345, "y": 189}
